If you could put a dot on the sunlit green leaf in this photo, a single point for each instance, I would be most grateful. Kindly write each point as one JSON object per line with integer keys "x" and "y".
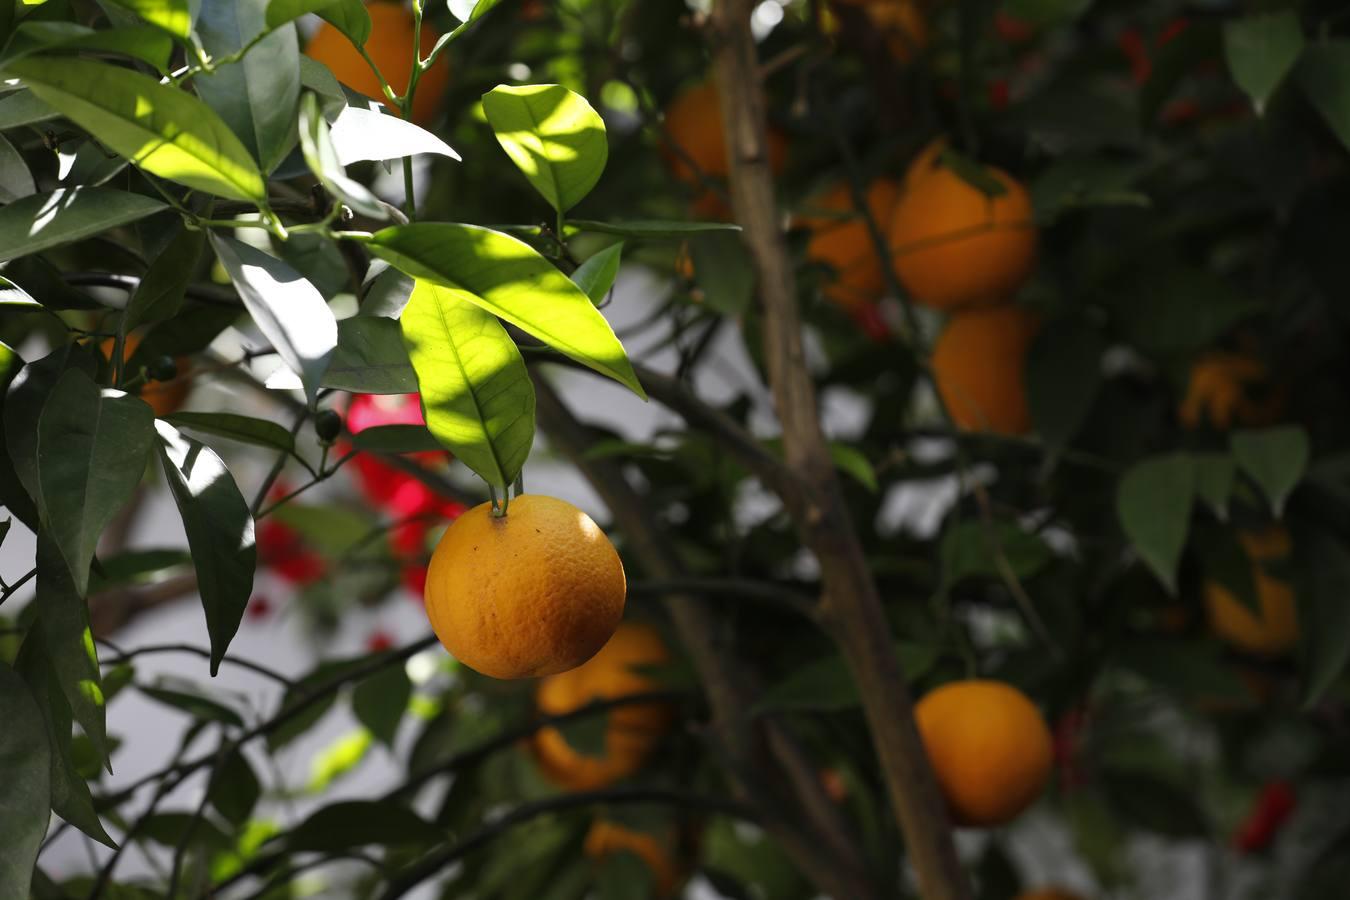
{"x": 26, "y": 761}
{"x": 477, "y": 394}
{"x": 322, "y": 160}
{"x": 553, "y": 136}
{"x": 41, "y": 221}
{"x": 350, "y": 17}
{"x": 141, "y": 42}
{"x": 174, "y": 16}
{"x": 219, "y": 530}
{"x": 596, "y": 275}
{"x": 370, "y": 135}
{"x": 161, "y": 129}
{"x": 511, "y": 280}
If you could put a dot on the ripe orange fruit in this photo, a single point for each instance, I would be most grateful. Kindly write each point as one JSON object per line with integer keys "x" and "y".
{"x": 1224, "y": 389}
{"x": 164, "y": 397}
{"x": 694, "y": 124}
{"x": 1047, "y": 894}
{"x": 391, "y": 47}
{"x": 630, "y": 731}
{"x": 1275, "y": 630}
{"x": 843, "y": 243}
{"x": 955, "y": 246}
{"x": 977, "y": 365}
{"x": 607, "y": 838}
{"x": 535, "y": 592}
{"x": 990, "y": 748}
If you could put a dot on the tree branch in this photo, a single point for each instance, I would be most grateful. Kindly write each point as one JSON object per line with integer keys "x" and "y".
{"x": 852, "y": 607}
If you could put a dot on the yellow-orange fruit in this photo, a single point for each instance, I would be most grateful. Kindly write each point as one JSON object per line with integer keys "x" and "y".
{"x": 990, "y": 748}
{"x": 956, "y": 246}
{"x": 902, "y": 25}
{"x": 391, "y": 47}
{"x": 1275, "y": 630}
{"x": 978, "y": 363}
{"x": 843, "y": 243}
{"x": 1223, "y": 391}
{"x": 630, "y": 731}
{"x": 535, "y": 592}
{"x": 657, "y": 851}
{"x": 166, "y": 397}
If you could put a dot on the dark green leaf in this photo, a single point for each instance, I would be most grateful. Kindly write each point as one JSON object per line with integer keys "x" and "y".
{"x": 1214, "y": 474}
{"x": 586, "y": 735}
{"x": 92, "y": 449}
{"x": 141, "y": 566}
{"x": 256, "y": 96}
{"x": 194, "y": 704}
{"x": 970, "y": 550}
{"x": 396, "y": 439}
{"x": 371, "y": 358}
{"x": 596, "y": 275}
{"x": 827, "y": 684}
{"x": 161, "y": 129}
{"x": 1189, "y": 670}
{"x": 245, "y": 429}
{"x": 553, "y": 136}
{"x": 1324, "y": 75}
{"x": 380, "y": 701}
{"x": 26, "y": 761}
{"x": 1154, "y": 804}
{"x": 159, "y": 295}
{"x": 723, "y": 272}
{"x": 298, "y": 696}
{"x": 359, "y": 823}
{"x": 174, "y": 16}
{"x": 476, "y": 392}
{"x": 322, "y": 160}
{"x": 219, "y": 530}
{"x": 972, "y": 173}
{"x": 854, "y": 463}
{"x": 349, "y": 17}
{"x": 1275, "y": 458}
{"x": 234, "y": 789}
{"x": 1322, "y": 574}
{"x": 41, "y": 221}
{"x": 1261, "y": 50}
{"x": 1153, "y": 502}
{"x": 1045, "y": 13}
{"x": 15, "y": 179}
{"x": 170, "y": 829}
{"x": 288, "y": 310}
{"x": 1064, "y": 371}
{"x": 70, "y": 794}
{"x": 509, "y": 279}
{"x": 139, "y": 41}
{"x": 651, "y": 230}
{"x": 24, "y": 108}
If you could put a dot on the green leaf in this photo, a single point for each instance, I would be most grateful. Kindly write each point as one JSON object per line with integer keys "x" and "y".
{"x": 349, "y": 17}
{"x": 41, "y": 221}
{"x": 827, "y": 684}
{"x": 15, "y": 179}
{"x": 1153, "y": 502}
{"x": 476, "y": 391}
{"x": 1064, "y": 372}
{"x": 480, "y": 9}
{"x": 234, "y": 789}
{"x": 1045, "y": 13}
{"x": 1322, "y": 573}
{"x": 141, "y": 42}
{"x": 361, "y": 135}
{"x": 13, "y": 295}
{"x": 1188, "y": 670}
{"x": 64, "y": 623}
{"x": 651, "y": 230}
{"x": 174, "y": 16}
{"x": 585, "y": 735}
{"x": 359, "y": 823}
{"x": 509, "y": 279}
{"x": 24, "y": 108}
{"x": 219, "y": 530}
{"x": 159, "y": 295}
{"x": 1261, "y": 50}
{"x": 596, "y": 275}
{"x": 337, "y": 759}
{"x": 170, "y": 829}
{"x": 245, "y": 429}
{"x": 322, "y": 160}
{"x": 380, "y": 701}
{"x": 553, "y": 136}
{"x": 70, "y": 793}
{"x": 288, "y": 310}
{"x": 1154, "y": 804}
{"x": 1214, "y": 474}
{"x": 972, "y": 173}
{"x": 297, "y": 723}
{"x": 258, "y": 95}
{"x": 854, "y": 463}
{"x": 26, "y": 761}
{"x": 280, "y": 12}
{"x": 137, "y": 567}
{"x": 161, "y": 129}
{"x": 969, "y": 550}
{"x": 396, "y": 439}
{"x": 1275, "y": 458}
{"x": 92, "y": 448}
{"x": 194, "y": 704}
{"x": 723, "y": 272}
{"x": 371, "y": 358}
{"x": 1324, "y": 76}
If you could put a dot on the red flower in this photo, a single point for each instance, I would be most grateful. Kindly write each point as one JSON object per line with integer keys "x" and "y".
{"x": 873, "y": 324}
{"x": 1174, "y": 30}
{"x": 1272, "y": 809}
{"x": 415, "y": 579}
{"x": 379, "y": 641}
{"x": 1131, "y": 43}
{"x": 281, "y": 549}
{"x": 1012, "y": 29}
{"x": 258, "y": 608}
{"x": 998, "y": 94}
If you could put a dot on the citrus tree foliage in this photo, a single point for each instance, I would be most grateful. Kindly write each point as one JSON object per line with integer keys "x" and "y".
{"x": 189, "y": 200}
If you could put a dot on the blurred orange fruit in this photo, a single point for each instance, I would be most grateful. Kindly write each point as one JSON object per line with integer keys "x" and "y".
{"x": 990, "y": 748}
{"x": 843, "y": 243}
{"x": 1275, "y": 630}
{"x": 899, "y": 22}
{"x": 391, "y": 47}
{"x": 978, "y": 363}
{"x": 164, "y": 397}
{"x": 535, "y": 592}
{"x": 630, "y": 731}
{"x": 657, "y": 851}
{"x": 956, "y": 246}
{"x": 1224, "y": 390}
